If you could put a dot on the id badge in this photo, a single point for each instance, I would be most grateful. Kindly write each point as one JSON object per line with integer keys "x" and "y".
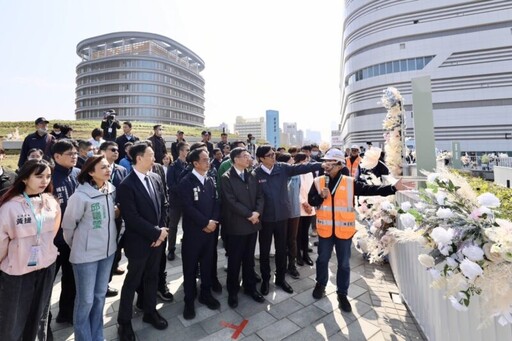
{"x": 109, "y": 130}
{"x": 34, "y": 255}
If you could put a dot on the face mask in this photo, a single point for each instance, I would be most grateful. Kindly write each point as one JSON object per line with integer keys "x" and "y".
{"x": 42, "y": 131}
{"x": 57, "y": 132}
{"x": 90, "y": 153}
{"x": 314, "y": 153}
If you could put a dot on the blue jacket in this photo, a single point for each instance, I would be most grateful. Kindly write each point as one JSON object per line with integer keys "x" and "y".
{"x": 35, "y": 140}
{"x": 200, "y": 204}
{"x": 126, "y": 163}
{"x": 64, "y": 185}
{"x": 275, "y": 188}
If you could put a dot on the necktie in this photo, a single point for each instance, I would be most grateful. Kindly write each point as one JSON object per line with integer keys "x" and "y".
{"x": 151, "y": 192}
{"x": 242, "y": 176}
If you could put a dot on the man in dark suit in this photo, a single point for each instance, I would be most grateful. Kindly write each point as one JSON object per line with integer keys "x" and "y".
{"x": 158, "y": 143}
{"x": 123, "y": 139}
{"x": 175, "y": 152}
{"x": 201, "y": 211}
{"x": 242, "y": 206}
{"x": 142, "y": 203}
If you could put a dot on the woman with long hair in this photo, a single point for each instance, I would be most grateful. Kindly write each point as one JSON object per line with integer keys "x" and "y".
{"x": 90, "y": 231}
{"x": 30, "y": 220}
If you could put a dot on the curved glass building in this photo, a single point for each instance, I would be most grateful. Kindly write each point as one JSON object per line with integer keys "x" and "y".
{"x": 464, "y": 46}
{"x": 142, "y": 76}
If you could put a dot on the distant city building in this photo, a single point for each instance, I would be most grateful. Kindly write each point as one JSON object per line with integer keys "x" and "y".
{"x": 254, "y": 126}
{"x": 142, "y": 76}
{"x": 295, "y": 137}
{"x": 223, "y": 127}
{"x": 464, "y": 46}
{"x": 312, "y": 136}
{"x": 272, "y": 118}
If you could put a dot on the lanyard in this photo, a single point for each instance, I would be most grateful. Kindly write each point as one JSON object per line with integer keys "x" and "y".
{"x": 336, "y": 186}
{"x": 39, "y": 217}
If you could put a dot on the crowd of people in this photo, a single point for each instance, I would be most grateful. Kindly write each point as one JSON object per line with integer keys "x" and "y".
{"x": 76, "y": 206}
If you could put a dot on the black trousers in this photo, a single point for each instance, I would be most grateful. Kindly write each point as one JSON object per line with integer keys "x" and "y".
{"x": 67, "y": 282}
{"x": 303, "y": 236}
{"x": 24, "y": 303}
{"x": 241, "y": 254}
{"x": 277, "y": 230}
{"x": 145, "y": 269}
{"x": 197, "y": 250}
{"x": 175, "y": 213}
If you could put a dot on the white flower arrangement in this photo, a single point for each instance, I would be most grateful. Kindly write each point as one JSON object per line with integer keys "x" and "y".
{"x": 393, "y": 102}
{"x": 373, "y": 240}
{"x": 470, "y": 251}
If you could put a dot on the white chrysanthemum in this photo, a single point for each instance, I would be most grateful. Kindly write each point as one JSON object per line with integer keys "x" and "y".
{"x": 373, "y": 229}
{"x": 492, "y": 256}
{"x": 488, "y": 200}
{"x": 386, "y": 205}
{"x": 505, "y": 224}
{"x": 440, "y": 197}
{"x": 405, "y": 206}
{"x": 442, "y": 236}
{"x": 408, "y": 221}
{"x": 371, "y": 158}
{"x": 420, "y": 206}
{"x": 451, "y": 262}
{"x": 473, "y": 253}
{"x": 470, "y": 269}
{"x": 426, "y": 260}
{"x": 431, "y": 178}
{"x": 444, "y": 213}
{"x": 377, "y": 223}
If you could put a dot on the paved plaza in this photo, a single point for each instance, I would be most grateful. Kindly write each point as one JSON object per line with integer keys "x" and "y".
{"x": 377, "y": 314}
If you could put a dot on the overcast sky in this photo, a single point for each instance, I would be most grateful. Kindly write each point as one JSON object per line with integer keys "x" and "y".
{"x": 266, "y": 54}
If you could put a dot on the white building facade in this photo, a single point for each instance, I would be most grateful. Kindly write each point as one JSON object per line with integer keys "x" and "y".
{"x": 254, "y": 126}
{"x": 464, "y": 46}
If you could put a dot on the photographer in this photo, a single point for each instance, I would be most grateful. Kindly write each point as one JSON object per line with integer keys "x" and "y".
{"x": 109, "y": 125}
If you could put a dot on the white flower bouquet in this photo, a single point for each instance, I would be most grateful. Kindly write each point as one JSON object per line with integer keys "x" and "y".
{"x": 470, "y": 249}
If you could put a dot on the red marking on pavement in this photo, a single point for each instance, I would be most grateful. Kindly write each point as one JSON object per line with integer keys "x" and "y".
{"x": 238, "y": 329}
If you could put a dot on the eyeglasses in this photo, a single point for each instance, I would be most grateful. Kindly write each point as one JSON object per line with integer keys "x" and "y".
{"x": 270, "y": 154}
{"x": 114, "y": 150}
{"x": 354, "y": 150}
{"x": 70, "y": 154}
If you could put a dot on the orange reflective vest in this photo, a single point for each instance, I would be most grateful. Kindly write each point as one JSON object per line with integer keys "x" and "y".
{"x": 353, "y": 167}
{"x": 337, "y": 213}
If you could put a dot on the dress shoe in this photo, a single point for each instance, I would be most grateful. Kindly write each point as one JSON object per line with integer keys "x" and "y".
{"x": 155, "y": 319}
{"x": 300, "y": 261}
{"x": 171, "y": 256}
{"x": 285, "y": 286}
{"x": 216, "y": 286}
{"x": 209, "y": 301}
{"x": 233, "y": 301}
{"x": 164, "y": 294}
{"x": 344, "y": 304}
{"x": 255, "y": 295}
{"x": 111, "y": 292}
{"x": 264, "y": 288}
{"x": 63, "y": 319}
{"x": 307, "y": 260}
{"x": 189, "y": 312}
{"x": 119, "y": 271}
{"x": 125, "y": 332}
{"x": 319, "y": 291}
{"x": 292, "y": 271}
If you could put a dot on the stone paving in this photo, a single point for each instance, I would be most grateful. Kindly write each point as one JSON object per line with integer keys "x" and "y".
{"x": 377, "y": 313}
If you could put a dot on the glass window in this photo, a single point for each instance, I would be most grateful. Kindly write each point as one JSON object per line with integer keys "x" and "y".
{"x": 411, "y": 64}
{"x": 396, "y": 66}
{"x": 403, "y": 65}
{"x": 428, "y": 59}
{"x": 389, "y": 67}
{"x": 365, "y": 73}
{"x": 375, "y": 70}
{"x": 370, "y": 71}
{"x": 420, "y": 64}
{"x": 382, "y": 68}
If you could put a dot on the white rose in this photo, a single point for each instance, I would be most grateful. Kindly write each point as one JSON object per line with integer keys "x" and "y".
{"x": 470, "y": 269}
{"x": 426, "y": 260}
{"x": 432, "y": 177}
{"x": 444, "y": 213}
{"x": 473, "y": 252}
{"x": 420, "y": 206}
{"x": 373, "y": 229}
{"x": 377, "y": 223}
{"x": 405, "y": 206}
{"x": 442, "y": 236}
{"x": 407, "y": 220}
{"x": 488, "y": 200}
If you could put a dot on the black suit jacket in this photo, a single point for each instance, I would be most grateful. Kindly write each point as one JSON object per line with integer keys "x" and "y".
{"x": 142, "y": 219}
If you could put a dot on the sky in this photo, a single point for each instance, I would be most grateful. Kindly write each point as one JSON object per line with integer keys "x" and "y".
{"x": 267, "y": 54}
